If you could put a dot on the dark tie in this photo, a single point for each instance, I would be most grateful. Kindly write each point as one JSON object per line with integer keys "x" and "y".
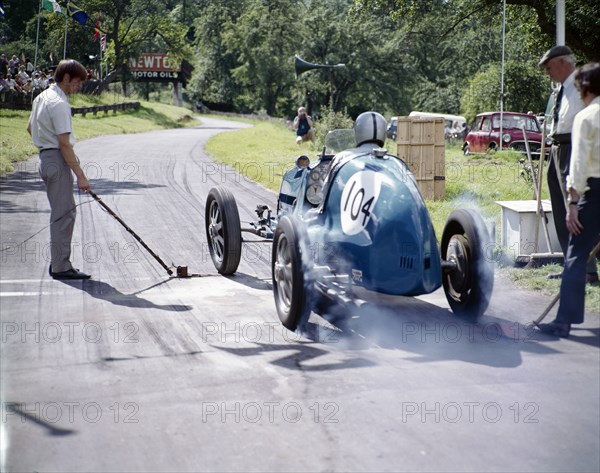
{"x": 556, "y": 109}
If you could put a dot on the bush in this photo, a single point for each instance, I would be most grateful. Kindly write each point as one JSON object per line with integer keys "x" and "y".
{"x": 330, "y": 120}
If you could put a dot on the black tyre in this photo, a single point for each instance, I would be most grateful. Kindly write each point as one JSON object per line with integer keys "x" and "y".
{"x": 222, "y": 222}
{"x": 466, "y": 149}
{"x": 465, "y": 241}
{"x": 289, "y": 266}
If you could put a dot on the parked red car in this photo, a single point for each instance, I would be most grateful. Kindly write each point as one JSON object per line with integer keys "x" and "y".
{"x": 485, "y": 133}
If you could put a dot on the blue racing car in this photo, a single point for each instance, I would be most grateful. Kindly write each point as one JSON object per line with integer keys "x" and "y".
{"x": 352, "y": 226}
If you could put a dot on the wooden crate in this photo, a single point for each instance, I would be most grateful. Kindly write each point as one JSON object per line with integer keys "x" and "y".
{"x": 421, "y": 146}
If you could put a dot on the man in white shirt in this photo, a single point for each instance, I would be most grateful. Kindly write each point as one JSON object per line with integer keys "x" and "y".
{"x": 583, "y": 184}
{"x": 51, "y": 128}
{"x": 559, "y": 65}
{"x": 22, "y": 75}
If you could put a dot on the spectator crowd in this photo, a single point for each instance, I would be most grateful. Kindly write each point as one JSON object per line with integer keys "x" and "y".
{"x": 21, "y": 81}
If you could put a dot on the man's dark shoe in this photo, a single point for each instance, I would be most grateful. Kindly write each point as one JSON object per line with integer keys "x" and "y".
{"x": 591, "y": 278}
{"x": 556, "y": 328}
{"x": 554, "y": 276}
{"x": 70, "y": 274}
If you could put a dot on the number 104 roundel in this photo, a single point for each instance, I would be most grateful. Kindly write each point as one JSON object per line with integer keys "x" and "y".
{"x": 358, "y": 201}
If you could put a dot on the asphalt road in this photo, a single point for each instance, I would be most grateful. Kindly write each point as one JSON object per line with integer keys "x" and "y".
{"x": 136, "y": 371}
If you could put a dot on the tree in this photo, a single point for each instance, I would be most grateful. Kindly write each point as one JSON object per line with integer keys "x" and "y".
{"x": 262, "y": 39}
{"x": 581, "y": 32}
{"x": 524, "y": 89}
{"x": 378, "y": 71}
{"x": 134, "y": 25}
{"x": 212, "y": 81}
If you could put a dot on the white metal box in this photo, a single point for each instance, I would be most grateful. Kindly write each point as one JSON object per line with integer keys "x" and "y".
{"x": 518, "y": 228}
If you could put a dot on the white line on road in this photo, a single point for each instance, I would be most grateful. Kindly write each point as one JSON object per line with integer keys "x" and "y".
{"x": 20, "y": 294}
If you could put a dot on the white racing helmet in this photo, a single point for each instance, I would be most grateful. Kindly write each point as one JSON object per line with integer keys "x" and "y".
{"x": 370, "y": 127}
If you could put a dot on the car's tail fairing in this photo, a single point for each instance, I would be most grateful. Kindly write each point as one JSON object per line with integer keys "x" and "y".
{"x": 376, "y": 218}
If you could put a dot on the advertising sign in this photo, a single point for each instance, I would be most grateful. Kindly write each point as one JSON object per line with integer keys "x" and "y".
{"x": 155, "y": 67}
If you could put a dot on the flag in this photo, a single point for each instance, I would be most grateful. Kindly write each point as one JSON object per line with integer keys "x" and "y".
{"x": 77, "y": 13}
{"x": 103, "y": 43}
{"x": 97, "y": 31}
{"x": 51, "y": 5}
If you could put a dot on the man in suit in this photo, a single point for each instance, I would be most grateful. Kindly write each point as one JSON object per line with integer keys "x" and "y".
{"x": 559, "y": 65}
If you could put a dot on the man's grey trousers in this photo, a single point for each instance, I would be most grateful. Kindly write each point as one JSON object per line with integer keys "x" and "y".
{"x": 58, "y": 178}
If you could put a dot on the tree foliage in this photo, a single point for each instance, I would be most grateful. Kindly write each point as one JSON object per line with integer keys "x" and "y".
{"x": 399, "y": 55}
{"x": 132, "y": 26}
{"x": 523, "y": 90}
{"x": 581, "y": 30}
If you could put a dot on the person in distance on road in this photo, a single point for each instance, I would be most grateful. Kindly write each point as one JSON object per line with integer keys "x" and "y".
{"x": 51, "y": 129}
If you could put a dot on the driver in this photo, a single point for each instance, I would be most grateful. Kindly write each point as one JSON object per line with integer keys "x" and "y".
{"x": 369, "y": 133}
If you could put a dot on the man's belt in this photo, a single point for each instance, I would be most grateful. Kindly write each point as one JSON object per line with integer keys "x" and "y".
{"x": 561, "y": 139}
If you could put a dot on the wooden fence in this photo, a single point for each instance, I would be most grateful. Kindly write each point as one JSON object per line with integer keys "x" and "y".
{"x": 105, "y": 108}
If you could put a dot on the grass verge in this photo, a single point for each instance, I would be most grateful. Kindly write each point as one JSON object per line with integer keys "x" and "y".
{"x": 262, "y": 153}
{"x": 16, "y": 145}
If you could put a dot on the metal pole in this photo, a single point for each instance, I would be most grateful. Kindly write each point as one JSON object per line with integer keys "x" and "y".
{"x": 66, "y": 27}
{"x": 502, "y": 74}
{"x": 100, "y": 41}
{"x": 560, "y": 22}
{"x": 538, "y": 197}
{"x": 539, "y": 188}
{"x": 37, "y": 37}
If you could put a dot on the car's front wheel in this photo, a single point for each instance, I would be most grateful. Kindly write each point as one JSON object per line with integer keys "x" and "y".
{"x": 466, "y": 149}
{"x": 290, "y": 272}
{"x": 223, "y": 230}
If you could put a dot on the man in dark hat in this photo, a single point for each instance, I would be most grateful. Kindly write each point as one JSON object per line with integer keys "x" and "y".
{"x": 559, "y": 65}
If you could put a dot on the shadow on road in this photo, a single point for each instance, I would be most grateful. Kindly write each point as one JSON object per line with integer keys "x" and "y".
{"x": 251, "y": 281}
{"x": 430, "y": 332}
{"x": 21, "y": 182}
{"x": 22, "y": 410}
{"x": 104, "y": 291}
{"x": 303, "y": 352}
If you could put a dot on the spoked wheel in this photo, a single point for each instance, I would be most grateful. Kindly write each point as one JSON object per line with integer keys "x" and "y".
{"x": 223, "y": 232}
{"x": 291, "y": 283}
{"x": 468, "y": 286}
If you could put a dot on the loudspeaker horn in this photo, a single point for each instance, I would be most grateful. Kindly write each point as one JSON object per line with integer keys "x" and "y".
{"x": 302, "y": 66}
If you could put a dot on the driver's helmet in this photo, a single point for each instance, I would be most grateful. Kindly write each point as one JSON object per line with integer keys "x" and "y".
{"x": 370, "y": 127}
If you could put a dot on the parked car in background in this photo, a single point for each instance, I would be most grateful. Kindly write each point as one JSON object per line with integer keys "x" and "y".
{"x": 485, "y": 133}
{"x": 392, "y": 128}
{"x": 454, "y": 124}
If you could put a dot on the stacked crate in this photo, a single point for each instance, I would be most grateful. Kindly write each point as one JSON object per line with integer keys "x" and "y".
{"x": 421, "y": 146}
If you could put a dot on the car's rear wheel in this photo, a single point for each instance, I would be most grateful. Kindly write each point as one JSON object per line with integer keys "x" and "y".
{"x": 465, "y": 243}
{"x": 290, "y": 271}
{"x": 223, "y": 230}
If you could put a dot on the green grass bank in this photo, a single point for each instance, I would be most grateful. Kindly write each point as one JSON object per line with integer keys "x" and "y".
{"x": 16, "y": 145}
